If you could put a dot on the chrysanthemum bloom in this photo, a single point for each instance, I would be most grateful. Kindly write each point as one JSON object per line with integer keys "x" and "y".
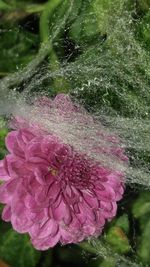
{"x": 53, "y": 191}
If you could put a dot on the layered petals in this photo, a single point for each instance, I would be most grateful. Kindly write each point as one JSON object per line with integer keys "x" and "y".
{"x": 52, "y": 191}
{"x": 4, "y": 173}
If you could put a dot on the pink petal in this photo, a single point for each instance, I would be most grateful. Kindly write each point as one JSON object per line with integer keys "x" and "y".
{"x": 43, "y": 102}
{"x": 6, "y": 214}
{"x": 16, "y": 167}
{"x": 75, "y": 224}
{"x": 107, "y": 195}
{"x": 108, "y": 209}
{"x": 56, "y": 202}
{"x": 64, "y": 103}
{"x": 12, "y": 144}
{"x": 89, "y": 229}
{"x": 100, "y": 219}
{"x": 41, "y": 195}
{"x": 17, "y": 123}
{"x": 54, "y": 190}
{"x": 26, "y": 135}
{"x": 41, "y": 174}
{"x": 71, "y": 195}
{"x": 21, "y": 224}
{"x": 76, "y": 208}
{"x": 46, "y": 243}
{"x": 86, "y": 213}
{"x": 49, "y": 145}
{"x": 4, "y": 175}
{"x": 7, "y": 190}
{"x": 115, "y": 179}
{"x": 29, "y": 185}
{"x": 39, "y": 217}
{"x": 62, "y": 212}
{"x": 32, "y": 205}
{"x": 33, "y": 150}
{"x": 10, "y": 140}
{"x": 49, "y": 228}
{"x": 66, "y": 236}
{"x": 92, "y": 201}
{"x": 18, "y": 208}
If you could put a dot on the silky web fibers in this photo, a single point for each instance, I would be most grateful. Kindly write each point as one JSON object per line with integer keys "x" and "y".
{"x": 109, "y": 79}
{"x": 132, "y": 135}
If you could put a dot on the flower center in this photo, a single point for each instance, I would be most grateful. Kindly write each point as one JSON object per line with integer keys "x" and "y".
{"x": 72, "y": 168}
{"x": 53, "y": 171}
{"x": 76, "y": 171}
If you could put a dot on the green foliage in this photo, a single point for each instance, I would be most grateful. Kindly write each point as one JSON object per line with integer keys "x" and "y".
{"x": 99, "y": 50}
{"x": 117, "y": 238}
{"x": 141, "y": 207}
{"x": 107, "y": 264}
{"x": 94, "y": 20}
{"x": 116, "y": 235}
{"x": 17, "y": 47}
{"x": 3, "y": 5}
{"x": 123, "y": 223}
{"x": 3, "y": 133}
{"x": 144, "y": 242}
{"x": 144, "y": 5}
{"x": 141, "y": 211}
{"x": 143, "y": 30}
{"x": 85, "y": 27}
{"x": 17, "y": 250}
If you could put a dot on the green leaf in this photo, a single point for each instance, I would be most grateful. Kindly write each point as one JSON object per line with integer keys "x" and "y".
{"x": 116, "y": 234}
{"x": 143, "y": 30}
{"x": 106, "y": 251}
{"x": 17, "y": 47}
{"x": 2, "y": 123}
{"x": 77, "y": 5}
{"x": 46, "y": 259}
{"x": 141, "y": 206}
{"x": 103, "y": 10}
{"x": 3, "y": 133}
{"x": 17, "y": 250}
{"x": 141, "y": 211}
{"x": 123, "y": 223}
{"x": 106, "y": 263}
{"x": 118, "y": 239}
{"x": 4, "y": 6}
{"x": 144, "y": 5}
{"x": 144, "y": 243}
{"x": 85, "y": 27}
{"x": 95, "y": 20}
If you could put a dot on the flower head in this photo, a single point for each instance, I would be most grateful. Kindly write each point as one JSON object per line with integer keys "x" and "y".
{"x": 51, "y": 189}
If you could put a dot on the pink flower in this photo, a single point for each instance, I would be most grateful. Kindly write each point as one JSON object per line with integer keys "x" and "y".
{"x": 50, "y": 189}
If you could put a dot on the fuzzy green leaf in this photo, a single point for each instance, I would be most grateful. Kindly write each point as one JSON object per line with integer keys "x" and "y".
{"x": 144, "y": 243}
{"x": 16, "y": 250}
{"x": 141, "y": 206}
{"x": 17, "y": 48}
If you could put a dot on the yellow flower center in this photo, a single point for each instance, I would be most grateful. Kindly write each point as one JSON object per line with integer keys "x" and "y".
{"x": 54, "y": 172}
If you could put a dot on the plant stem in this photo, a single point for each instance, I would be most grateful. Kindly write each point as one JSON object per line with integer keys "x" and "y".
{"x": 16, "y": 79}
{"x": 34, "y": 8}
{"x": 44, "y": 19}
{"x": 60, "y": 84}
{"x": 100, "y": 248}
{"x": 28, "y": 8}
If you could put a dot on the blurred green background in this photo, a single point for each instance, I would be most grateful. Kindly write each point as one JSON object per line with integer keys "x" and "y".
{"x": 39, "y": 38}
